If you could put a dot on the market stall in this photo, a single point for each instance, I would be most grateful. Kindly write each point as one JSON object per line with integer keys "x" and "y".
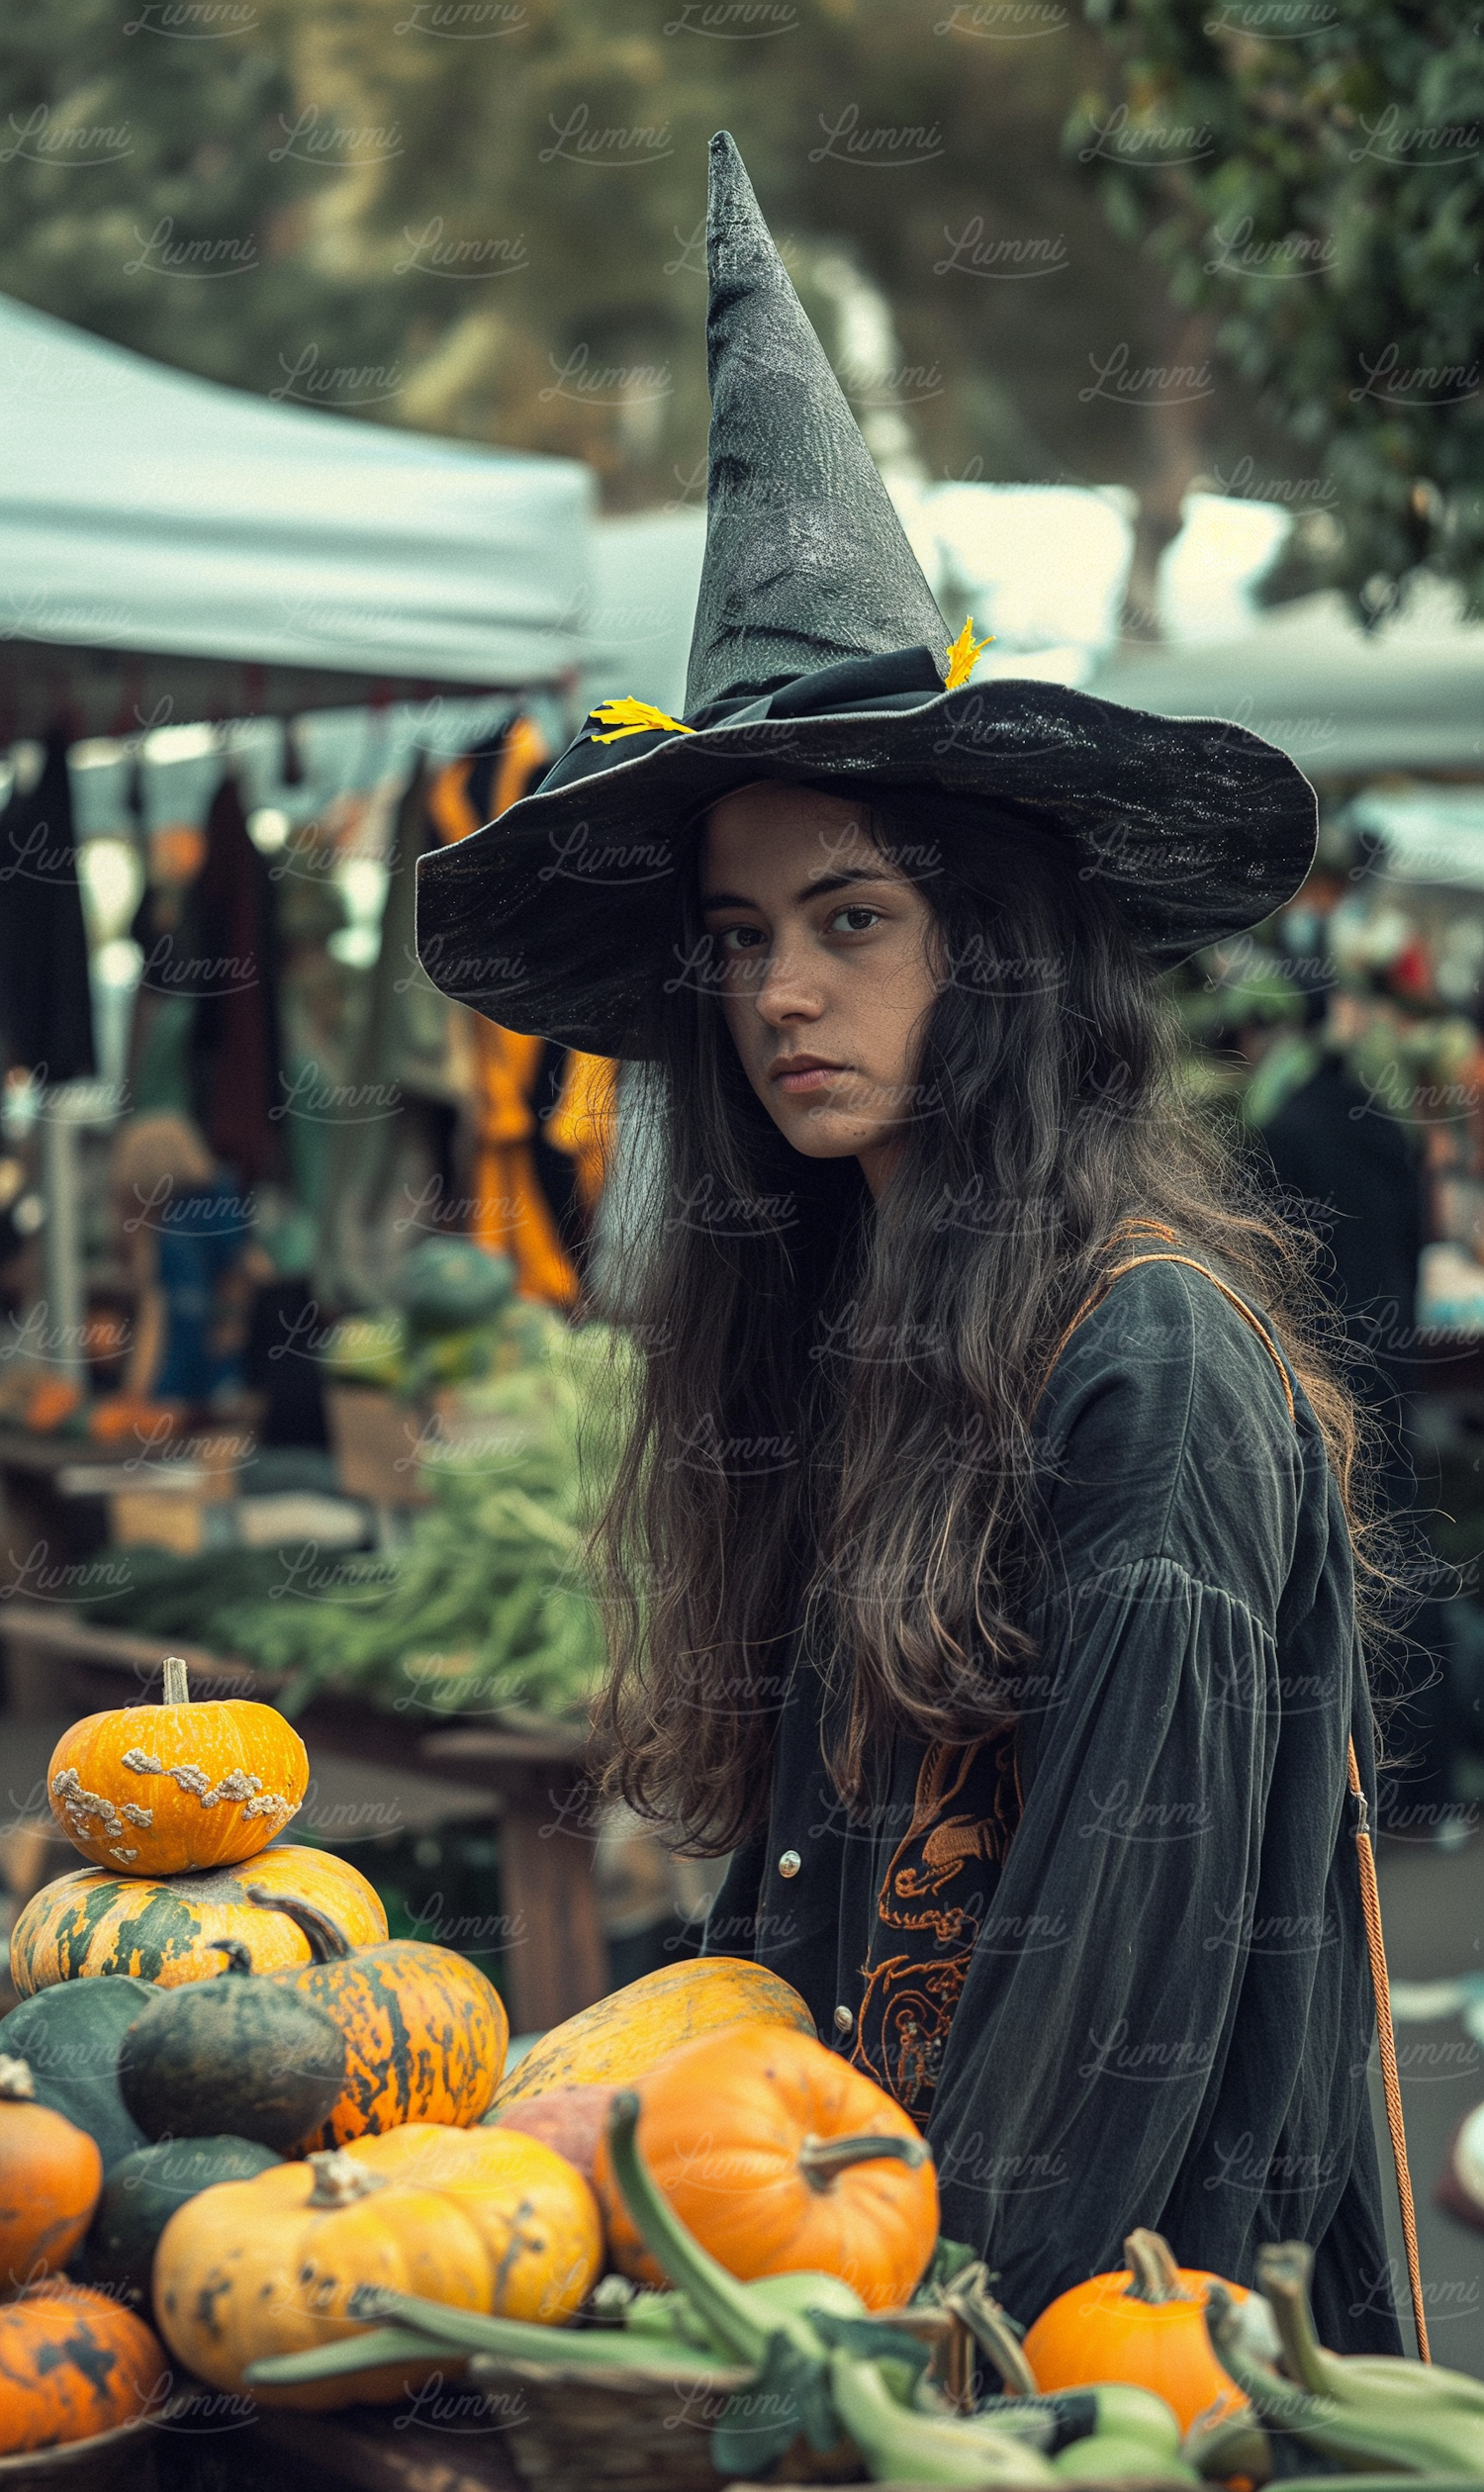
{"x": 257, "y": 658}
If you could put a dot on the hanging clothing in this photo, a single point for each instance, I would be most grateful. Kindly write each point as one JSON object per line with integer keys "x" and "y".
{"x": 544, "y": 1115}
{"x": 230, "y": 949}
{"x": 1121, "y": 1974}
{"x": 46, "y": 1000}
{"x": 202, "y": 1235}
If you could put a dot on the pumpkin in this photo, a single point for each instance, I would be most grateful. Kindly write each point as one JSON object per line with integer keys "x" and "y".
{"x": 69, "y": 2038}
{"x": 156, "y": 1789}
{"x": 536, "y": 2213}
{"x": 238, "y": 2053}
{"x": 269, "y": 2265}
{"x": 616, "y": 2041}
{"x": 172, "y": 1929}
{"x": 571, "y": 2118}
{"x": 50, "y": 2174}
{"x": 777, "y": 2156}
{"x": 143, "y": 2192}
{"x": 1144, "y": 2323}
{"x": 425, "y": 2030}
{"x": 72, "y": 2363}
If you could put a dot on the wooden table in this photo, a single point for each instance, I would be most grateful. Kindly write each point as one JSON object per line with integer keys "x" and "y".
{"x": 537, "y": 1786}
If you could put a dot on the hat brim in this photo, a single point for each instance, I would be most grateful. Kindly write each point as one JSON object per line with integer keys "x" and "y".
{"x": 556, "y": 920}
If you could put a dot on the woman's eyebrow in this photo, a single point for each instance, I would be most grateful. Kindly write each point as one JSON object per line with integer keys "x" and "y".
{"x": 810, "y": 892}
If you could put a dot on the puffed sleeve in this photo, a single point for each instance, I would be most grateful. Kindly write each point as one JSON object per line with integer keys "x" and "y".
{"x": 1092, "y": 2053}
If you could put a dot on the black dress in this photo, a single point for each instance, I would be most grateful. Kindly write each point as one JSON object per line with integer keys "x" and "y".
{"x": 1116, "y": 1965}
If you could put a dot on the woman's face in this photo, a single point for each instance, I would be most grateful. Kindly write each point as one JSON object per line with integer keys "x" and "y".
{"x": 825, "y": 957}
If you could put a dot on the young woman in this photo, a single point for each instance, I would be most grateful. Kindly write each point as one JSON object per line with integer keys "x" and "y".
{"x": 984, "y": 1551}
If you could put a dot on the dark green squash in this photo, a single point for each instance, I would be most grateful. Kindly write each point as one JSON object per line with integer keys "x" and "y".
{"x": 143, "y": 2192}
{"x": 241, "y": 2056}
{"x": 69, "y": 2037}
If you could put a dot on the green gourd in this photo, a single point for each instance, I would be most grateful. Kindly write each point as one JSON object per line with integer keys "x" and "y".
{"x": 241, "y": 2056}
{"x": 449, "y": 1284}
{"x": 70, "y": 2036}
{"x": 143, "y": 2192}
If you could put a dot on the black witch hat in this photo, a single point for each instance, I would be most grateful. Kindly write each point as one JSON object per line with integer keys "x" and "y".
{"x": 818, "y": 653}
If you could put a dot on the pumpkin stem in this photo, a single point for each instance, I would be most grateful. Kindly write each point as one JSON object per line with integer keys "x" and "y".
{"x": 16, "y": 2084}
{"x": 328, "y": 1944}
{"x": 339, "y": 2179}
{"x": 1154, "y": 2276}
{"x": 1283, "y": 2272}
{"x": 177, "y": 1685}
{"x": 822, "y": 2158}
{"x": 237, "y": 1953}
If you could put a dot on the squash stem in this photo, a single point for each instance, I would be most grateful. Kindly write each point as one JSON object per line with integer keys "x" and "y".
{"x": 339, "y": 2179}
{"x": 822, "y": 2158}
{"x": 714, "y": 2295}
{"x": 520, "y": 2340}
{"x": 177, "y": 1685}
{"x": 1154, "y": 2276}
{"x": 1276, "y": 2400}
{"x": 973, "y": 2305}
{"x": 328, "y": 1944}
{"x": 1283, "y": 2272}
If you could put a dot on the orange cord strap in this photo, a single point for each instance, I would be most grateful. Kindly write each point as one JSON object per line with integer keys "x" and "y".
{"x": 1391, "y": 2083}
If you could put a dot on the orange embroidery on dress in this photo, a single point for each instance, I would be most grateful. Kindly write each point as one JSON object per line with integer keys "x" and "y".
{"x": 910, "y": 1995}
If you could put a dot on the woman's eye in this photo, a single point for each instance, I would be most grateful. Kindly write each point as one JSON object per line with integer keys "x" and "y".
{"x": 862, "y": 918}
{"x": 733, "y": 940}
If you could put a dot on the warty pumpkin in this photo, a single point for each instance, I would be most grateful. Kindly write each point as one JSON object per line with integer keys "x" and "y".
{"x": 72, "y": 2363}
{"x": 172, "y": 1929}
{"x": 777, "y": 2155}
{"x": 613, "y": 2042}
{"x": 157, "y": 1789}
{"x": 69, "y": 2038}
{"x": 1144, "y": 2323}
{"x": 269, "y": 2265}
{"x": 425, "y": 2030}
{"x": 50, "y": 2174}
{"x": 237, "y": 2054}
{"x": 535, "y": 2212}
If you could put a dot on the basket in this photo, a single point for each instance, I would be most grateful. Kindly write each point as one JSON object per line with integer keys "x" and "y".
{"x": 573, "y": 2429}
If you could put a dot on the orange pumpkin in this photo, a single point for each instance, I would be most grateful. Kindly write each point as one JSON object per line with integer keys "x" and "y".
{"x": 1144, "y": 2323}
{"x": 269, "y": 2265}
{"x": 178, "y": 1929}
{"x": 425, "y": 2031}
{"x": 52, "y": 1401}
{"x": 613, "y": 2042}
{"x": 537, "y": 2215}
{"x": 72, "y": 2363}
{"x": 51, "y": 2174}
{"x": 157, "y": 1789}
{"x": 777, "y": 2155}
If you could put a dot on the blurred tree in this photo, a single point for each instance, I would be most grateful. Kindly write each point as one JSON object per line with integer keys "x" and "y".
{"x": 487, "y": 217}
{"x": 1314, "y": 180}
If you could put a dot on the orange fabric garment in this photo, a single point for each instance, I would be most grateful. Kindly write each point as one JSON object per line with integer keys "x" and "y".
{"x": 511, "y": 1214}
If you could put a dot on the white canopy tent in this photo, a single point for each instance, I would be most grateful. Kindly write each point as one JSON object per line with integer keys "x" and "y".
{"x": 226, "y": 550}
{"x": 1343, "y": 702}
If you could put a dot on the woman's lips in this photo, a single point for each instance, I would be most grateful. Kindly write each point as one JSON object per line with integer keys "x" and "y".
{"x": 815, "y": 1077}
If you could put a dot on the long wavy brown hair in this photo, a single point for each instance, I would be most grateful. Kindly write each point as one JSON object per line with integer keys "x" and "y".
{"x": 831, "y": 1412}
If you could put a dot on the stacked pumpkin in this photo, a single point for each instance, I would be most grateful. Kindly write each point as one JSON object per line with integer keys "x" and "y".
{"x": 195, "y": 2010}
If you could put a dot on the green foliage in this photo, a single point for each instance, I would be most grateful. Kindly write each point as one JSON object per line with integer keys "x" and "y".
{"x": 486, "y": 1608}
{"x": 396, "y": 208}
{"x": 1315, "y": 176}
